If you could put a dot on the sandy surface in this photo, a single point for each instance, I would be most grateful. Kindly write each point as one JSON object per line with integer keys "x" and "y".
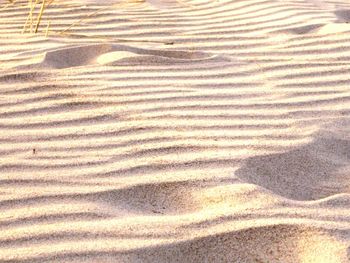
{"x": 176, "y": 131}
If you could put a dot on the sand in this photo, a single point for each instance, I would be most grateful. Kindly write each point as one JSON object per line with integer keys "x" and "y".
{"x": 176, "y": 131}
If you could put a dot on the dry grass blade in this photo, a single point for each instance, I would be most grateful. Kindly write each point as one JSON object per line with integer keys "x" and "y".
{"x": 34, "y": 26}
{"x": 40, "y": 16}
{"x": 30, "y": 16}
{"x": 47, "y": 29}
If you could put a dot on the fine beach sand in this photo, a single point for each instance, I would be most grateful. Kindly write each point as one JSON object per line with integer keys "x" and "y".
{"x": 176, "y": 131}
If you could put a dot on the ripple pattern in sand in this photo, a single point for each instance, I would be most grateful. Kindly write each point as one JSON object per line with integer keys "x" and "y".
{"x": 176, "y": 131}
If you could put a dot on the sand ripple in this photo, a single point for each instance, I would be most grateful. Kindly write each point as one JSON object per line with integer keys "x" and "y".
{"x": 176, "y": 131}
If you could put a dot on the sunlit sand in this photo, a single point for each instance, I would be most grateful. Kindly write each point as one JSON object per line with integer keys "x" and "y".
{"x": 175, "y": 131}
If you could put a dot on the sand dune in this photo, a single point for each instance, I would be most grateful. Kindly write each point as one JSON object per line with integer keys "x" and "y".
{"x": 176, "y": 131}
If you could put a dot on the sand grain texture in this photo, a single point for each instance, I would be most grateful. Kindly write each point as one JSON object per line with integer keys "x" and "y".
{"x": 176, "y": 131}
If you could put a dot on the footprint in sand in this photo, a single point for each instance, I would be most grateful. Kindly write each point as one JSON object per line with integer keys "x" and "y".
{"x": 115, "y": 55}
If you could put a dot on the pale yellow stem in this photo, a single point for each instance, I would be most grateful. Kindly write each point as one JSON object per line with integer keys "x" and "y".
{"x": 47, "y": 29}
{"x": 40, "y": 16}
{"x": 30, "y": 17}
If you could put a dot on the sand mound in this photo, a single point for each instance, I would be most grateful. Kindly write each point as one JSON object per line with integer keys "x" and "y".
{"x": 286, "y": 243}
{"x": 310, "y": 172}
{"x": 117, "y": 55}
{"x": 162, "y": 198}
{"x": 75, "y": 56}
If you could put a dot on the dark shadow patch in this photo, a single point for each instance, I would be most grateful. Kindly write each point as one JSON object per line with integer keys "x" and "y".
{"x": 305, "y": 29}
{"x": 300, "y": 30}
{"x": 310, "y": 172}
{"x": 19, "y": 77}
{"x": 343, "y": 15}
